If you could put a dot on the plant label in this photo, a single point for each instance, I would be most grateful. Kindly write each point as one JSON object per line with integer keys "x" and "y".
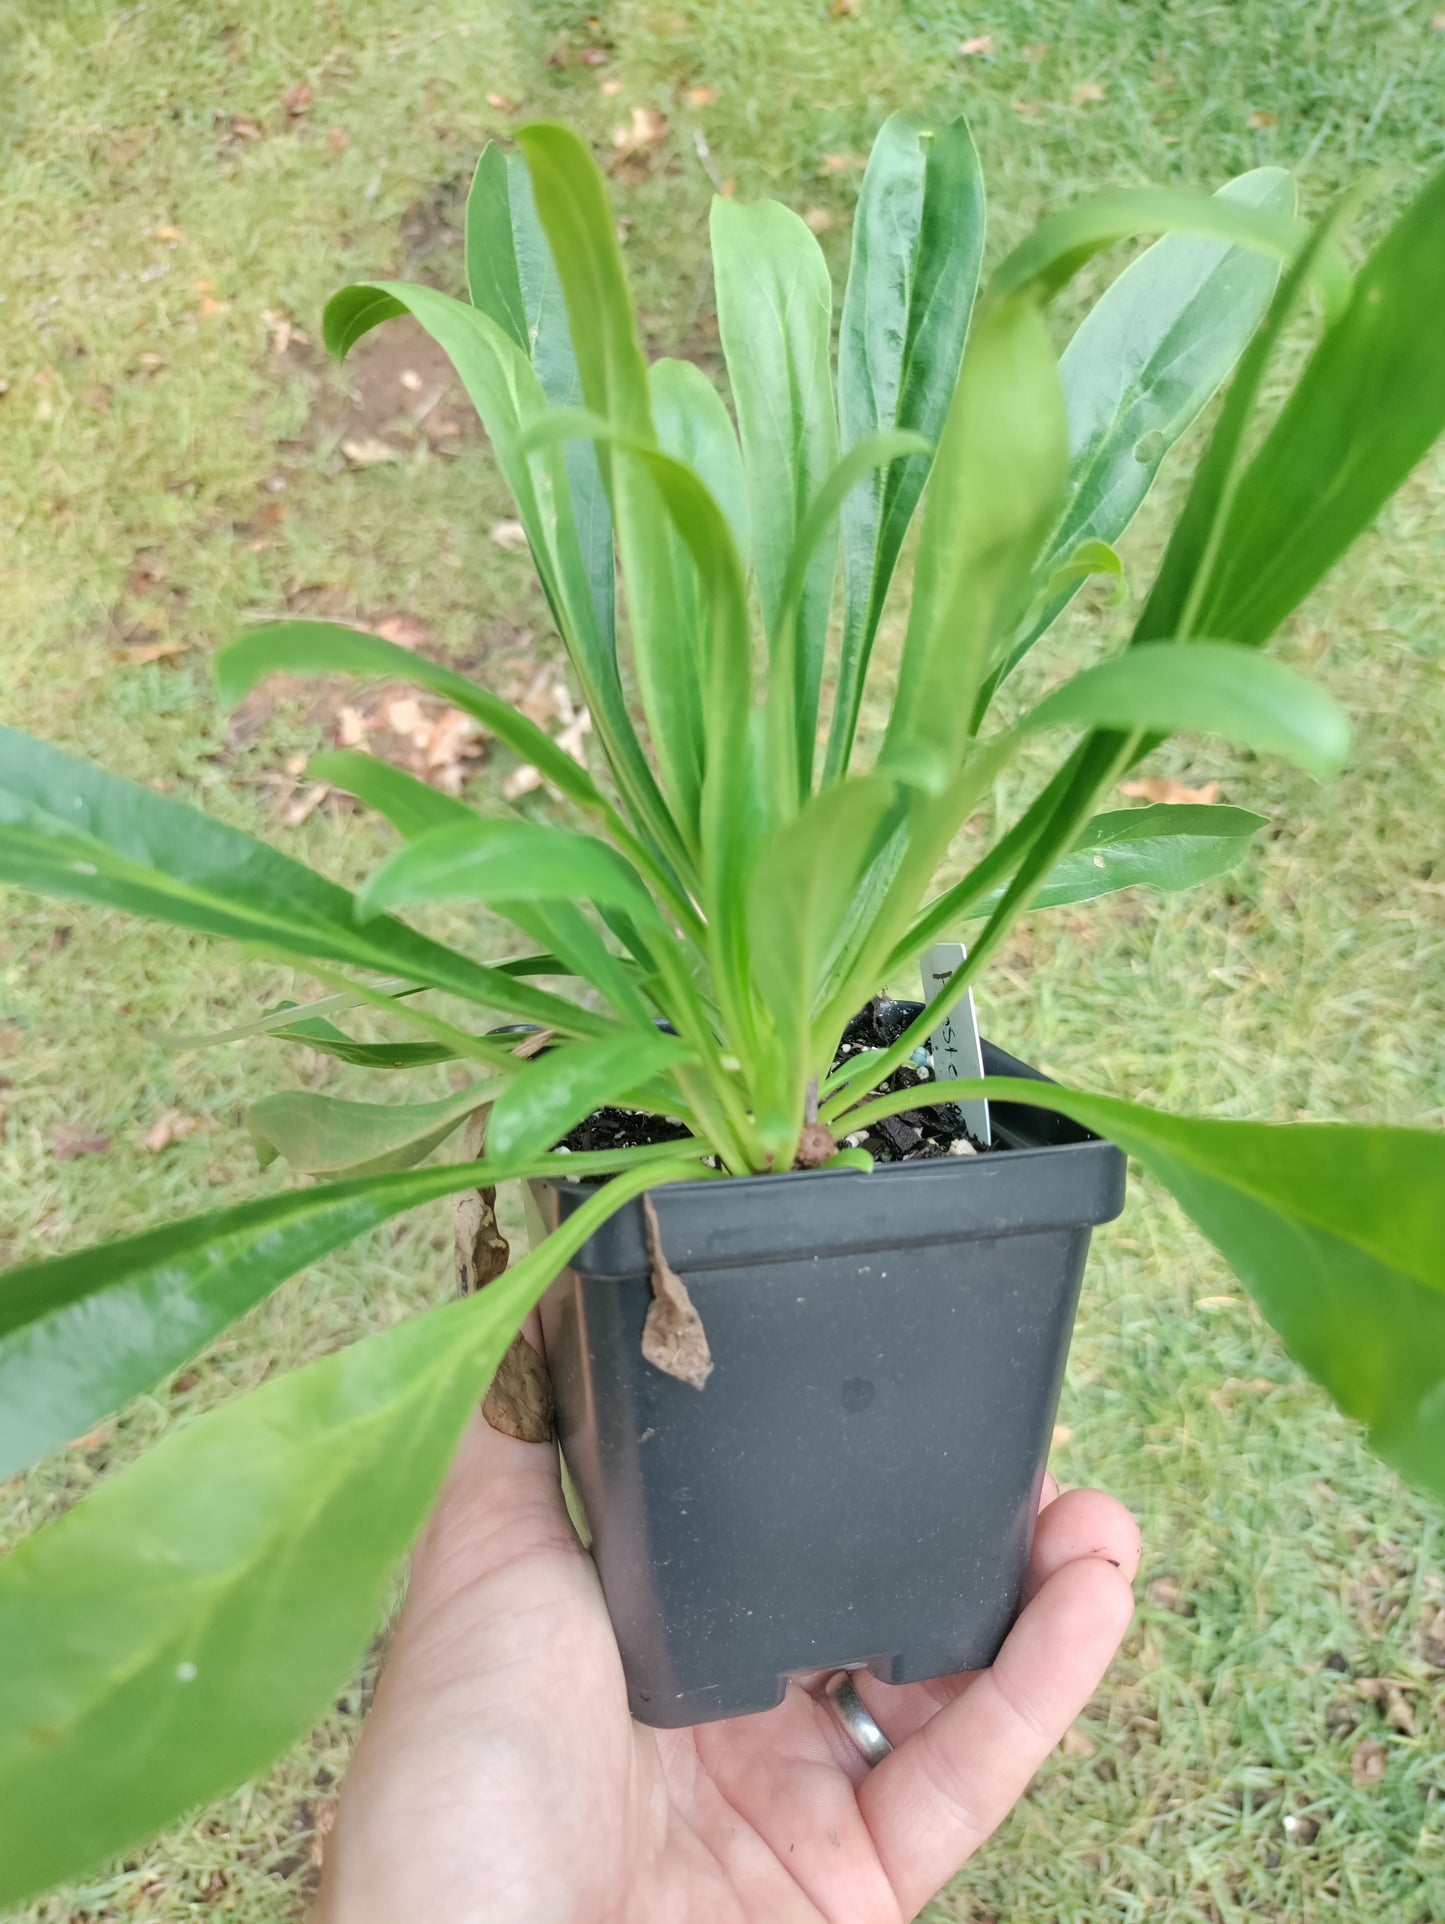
{"x": 957, "y": 1052}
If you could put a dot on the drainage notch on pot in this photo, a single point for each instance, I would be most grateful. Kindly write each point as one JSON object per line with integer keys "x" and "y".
{"x": 857, "y": 1482}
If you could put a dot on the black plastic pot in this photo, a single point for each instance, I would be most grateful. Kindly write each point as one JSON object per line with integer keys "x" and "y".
{"x": 857, "y": 1483}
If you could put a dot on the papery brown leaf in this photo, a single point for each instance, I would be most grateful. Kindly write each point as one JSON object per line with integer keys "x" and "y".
{"x": 673, "y": 1338}
{"x": 1159, "y": 788}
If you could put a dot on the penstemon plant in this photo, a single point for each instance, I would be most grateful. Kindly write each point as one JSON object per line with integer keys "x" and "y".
{"x": 708, "y": 910}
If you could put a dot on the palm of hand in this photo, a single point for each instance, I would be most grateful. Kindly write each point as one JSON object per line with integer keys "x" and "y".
{"x": 501, "y": 1777}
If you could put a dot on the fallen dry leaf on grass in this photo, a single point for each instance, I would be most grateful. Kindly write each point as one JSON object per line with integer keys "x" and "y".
{"x": 510, "y": 535}
{"x": 504, "y": 103}
{"x": 702, "y": 96}
{"x": 1392, "y": 1700}
{"x": 71, "y": 1139}
{"x": 370, "y": 451}
{"x": 1159, "y": 788}
{"x": 297, "y": 100}
{"x": 405, "y": 630}
{"x": 647, "y": 129}
{"x": 150, "y": 651}
{"x": 174, "y": 1126}
{"x": 820, "y": 219}
{"x": 1367, "y": 1763}
{"x": 979, "y": 43}
{"x": 1088, "y": 93}
{"x": 1260, "y": 119}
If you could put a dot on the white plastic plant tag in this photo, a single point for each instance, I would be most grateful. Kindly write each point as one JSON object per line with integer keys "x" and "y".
{"x": 957, "y": 1052}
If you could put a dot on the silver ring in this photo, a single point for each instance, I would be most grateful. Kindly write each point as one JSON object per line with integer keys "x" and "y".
{"x": 856, "y": 1718}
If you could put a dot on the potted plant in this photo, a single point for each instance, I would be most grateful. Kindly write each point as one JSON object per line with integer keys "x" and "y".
{"x": 713, "y": 914}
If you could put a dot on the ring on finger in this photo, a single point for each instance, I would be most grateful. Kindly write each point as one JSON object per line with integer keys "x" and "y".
{"x": 856, "y": 1718}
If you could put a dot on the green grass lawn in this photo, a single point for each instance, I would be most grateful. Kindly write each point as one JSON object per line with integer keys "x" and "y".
{"x": 183, "y": 187}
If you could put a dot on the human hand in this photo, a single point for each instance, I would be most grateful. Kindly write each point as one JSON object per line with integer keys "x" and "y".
{"x": 500, "y": 1776}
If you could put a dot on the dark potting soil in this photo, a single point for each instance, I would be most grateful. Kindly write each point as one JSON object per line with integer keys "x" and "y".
{"x": 918, "y": 1135}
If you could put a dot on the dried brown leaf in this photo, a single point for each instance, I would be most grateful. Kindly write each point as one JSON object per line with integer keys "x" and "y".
{"x": 978, "y": 43}
{"x": 174, "y": 1126}
{"x": 1260, "y": 118}
{"x": 673, "y": 1338}
{"x": 510, "y": 535}
{"x": 151, "y": 651}
{"x": 1088, "y": 93}
{"x": 702, "y": 96}
{"x": 71, "y": 1139}
{"x": 519, "y": 1398}
{"x": 1160, "y": 788}
{"x": 370, "y": 451}
{"x": 297, "y": 100}
{"x": 1367, "y": 1763}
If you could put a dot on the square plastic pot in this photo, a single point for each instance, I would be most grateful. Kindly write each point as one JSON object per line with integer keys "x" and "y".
{"x": 857, "y": 1483}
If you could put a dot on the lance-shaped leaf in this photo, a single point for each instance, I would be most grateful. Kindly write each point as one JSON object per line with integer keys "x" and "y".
{"x": 329, "y": 647}
{"x": 917, "y": 242}
{"x": 81, "y": 1334}
{"x": 775, "y": 303}
{"x": 1169, "y": 845}
{"x": 1067, "y": 241}
{"x": 1337, "y": 1232}
{"x": 332, "y": 1136}
{"x": 413, "y": 807}
{"x": 69, "y": 829}
{"x": 552, "y": 1093}
{"x": 1142, "y": 365}
{"x": 168, "y": 1635}
{"x": 993, "y": 495}
{"x": 507, "y": 394}
{"x": 1205, "y": 688}
{"x": 511, "y": 276}
{"x": 806, "y": 874}
{"x": 572, "y": 204}
{"x": 1369, "y": 404}
{"x": 497, "y": 861}
{"x": 316, "y": 1032}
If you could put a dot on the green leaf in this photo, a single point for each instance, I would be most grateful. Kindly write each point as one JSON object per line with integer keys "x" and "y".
{"x": 917, "y": 242}
{"x": 172, "y": 1632}
{"x": 556, "y": 1090}
{"x": 81, "y": 1334}
{"x": 1368, "y": 406}
{"x": 1169, "y": 845}
{"x": 1337, "y": 1232}
{"x": 508, "y": 395}
{"x": 775, "y": 303}
{"x": 411, "y": 806}
{"x": 1140, "y": 368}
{"x": 511, "y": 276}
{"x": 695, "y": 428}
{"x": 573, "y": 206}
{"x": 993, "y": 495}
{"x": 1205, "y": 688}
{"x": 497, "y": 861}
{"x": 69, "y": 829}
{"x": 323, "y": 1036}
{"x": 329, "y": 1136}
{"x": 328, "y": 647}
{"x": 1067, "y": 241}
{"x": 807, "y": 873}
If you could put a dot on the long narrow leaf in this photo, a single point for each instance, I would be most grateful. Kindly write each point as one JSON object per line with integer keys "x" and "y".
{"x": 81, "y": 1334}
{"x": 1368, "y": 406}
{"x": 995, "y": 490}
{"x": 1205, "y": 688}
{"x": 1337, "y": 1232}
{"x": 512, "y": 277}
{"x": 331, "y": 1136}
{"x": 167, "y": 1636}
{"x": 508, "y": 395}
{"x": 1142, "y": 365}
{"x": 775, "y": 301}
{"x": 69, "y": 829}
{"x": 1170, "y": 845}
{"x": 496, "y": 861}
{"x": 554, "y": 1092}
{"x": 917, "y": 243}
